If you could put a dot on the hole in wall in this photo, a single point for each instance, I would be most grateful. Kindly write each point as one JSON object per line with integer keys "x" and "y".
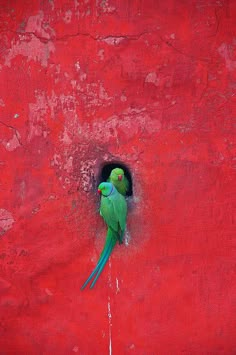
{"x": 108, "y": 167}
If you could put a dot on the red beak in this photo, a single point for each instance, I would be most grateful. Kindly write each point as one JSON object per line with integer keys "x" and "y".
{"x": 99, "y": 191}
{"x": 119, "y": 177}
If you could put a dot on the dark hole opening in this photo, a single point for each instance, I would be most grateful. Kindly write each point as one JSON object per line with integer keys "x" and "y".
{"x": 108, "y": 167}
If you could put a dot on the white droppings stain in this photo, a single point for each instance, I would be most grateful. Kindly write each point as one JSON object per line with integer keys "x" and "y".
{"x": 117, "y": 286}
{"x": 226, "y": 53}
{"x": 172, "y": 36}
{"x": 109, "y": 273}
{"x": 110, "y": 324}
{"x": 75, "y": 349}
{"x": 6, "y": 221}
{"x": 127, "y": 237}
{"x": 68, "y": 16}
{"x": 16, "y": 115}
{"x": 152, "y": 78}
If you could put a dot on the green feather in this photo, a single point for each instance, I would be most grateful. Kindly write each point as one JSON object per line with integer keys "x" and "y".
{"x": 122, "y": 185}
{"x": 113, "y": 209}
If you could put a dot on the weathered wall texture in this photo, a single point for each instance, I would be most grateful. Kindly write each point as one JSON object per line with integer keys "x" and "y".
{"x": 150, "y": 83}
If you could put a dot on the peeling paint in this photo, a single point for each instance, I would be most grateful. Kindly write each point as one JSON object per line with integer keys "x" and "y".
{"x": 152, "y": 78}
{"x": 32, "y": 49}
{"x": 2, "y": 102}
{"x": 68, "y": 16}
{"x": 6, "y": 221}
{"x": 151, "y": 85}
{"x": 225, "y": 53}
{"x": 13, "y": 143}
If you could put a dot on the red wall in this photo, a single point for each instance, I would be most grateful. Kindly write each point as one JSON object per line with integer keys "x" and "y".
{"x": 149, "y": 83}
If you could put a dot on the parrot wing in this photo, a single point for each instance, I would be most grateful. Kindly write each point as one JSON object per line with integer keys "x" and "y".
{"x": 120, "y": 208}
{"x": 108, "y": 213}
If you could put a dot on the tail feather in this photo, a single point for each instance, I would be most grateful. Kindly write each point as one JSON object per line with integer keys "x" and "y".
{"x": 109, "y": 245}
{"x": 101, "y": 267}
{"x": 97, "y": 266}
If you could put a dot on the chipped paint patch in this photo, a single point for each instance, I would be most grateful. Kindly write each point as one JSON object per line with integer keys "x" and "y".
{"x": 37, "y": 111}
{"x": 2, "y": 102}
{"x": 39, "y": 27}
{"x": 152, "y": 78}
{"x": 67, "y": 17}
{"x": 13, "y": 143}
{"x": 87, "y": 173}
{"x": 6, "y": 221}
{"x": 113, "y": 41}
{"x": 106, "y": 7}
{"x": 130, "y": 122}
{"x": 32, "y": 49}
{"x": 224, "y": 51}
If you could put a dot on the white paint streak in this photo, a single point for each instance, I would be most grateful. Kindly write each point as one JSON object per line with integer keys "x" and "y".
{"x": 109, "y": 273}
{"x": 110, "y": 324}
{"x": 117, "y": 285}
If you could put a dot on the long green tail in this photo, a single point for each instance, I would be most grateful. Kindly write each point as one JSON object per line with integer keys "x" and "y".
{"x": 111, "y": 240}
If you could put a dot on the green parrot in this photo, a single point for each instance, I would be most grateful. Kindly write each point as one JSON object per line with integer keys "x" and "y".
{"x": 119, "y": 180}
{"x": 113, "y": 209}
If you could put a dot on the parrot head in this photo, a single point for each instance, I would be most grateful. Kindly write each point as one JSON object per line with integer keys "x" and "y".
{"x": 105, "y": 188}
{"x": 117, "y": 174}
